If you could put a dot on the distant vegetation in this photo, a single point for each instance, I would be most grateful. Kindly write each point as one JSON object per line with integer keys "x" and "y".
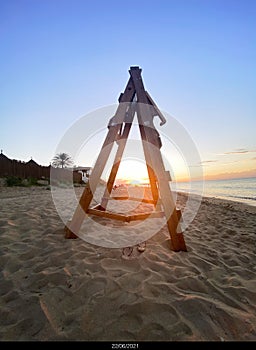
{"x": 62, "y": 160}
{"x": 17, "y": 173}
{"x": 18, "y": 181}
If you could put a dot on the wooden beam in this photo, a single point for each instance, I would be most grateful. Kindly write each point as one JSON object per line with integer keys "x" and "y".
{"x": 125, "y": 218}
{"x": 121, "y": 146}
{"x": 142, "y": 200}
{"x": 144, "y": 216}
{"x": 80, "y": 213}
{"x": 157, "y": 110}
{"x": 152, "y": 147}
{"x": 72, "y": 228}
{"x": 107, "y": 214}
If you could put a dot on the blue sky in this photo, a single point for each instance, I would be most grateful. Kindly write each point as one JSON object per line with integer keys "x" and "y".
{"x": 61, "y": 59}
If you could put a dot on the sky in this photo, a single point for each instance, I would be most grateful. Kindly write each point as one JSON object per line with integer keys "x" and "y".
{"x": 63, "y": 59}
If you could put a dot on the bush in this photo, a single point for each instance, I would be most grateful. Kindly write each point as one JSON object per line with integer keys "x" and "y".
{"x": 13, "y": 181}
{"x": 18, "y": 181}
{"x": 32, "y": 181}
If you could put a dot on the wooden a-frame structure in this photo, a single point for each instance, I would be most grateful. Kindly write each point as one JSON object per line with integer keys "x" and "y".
{"x": 134, "y": 100}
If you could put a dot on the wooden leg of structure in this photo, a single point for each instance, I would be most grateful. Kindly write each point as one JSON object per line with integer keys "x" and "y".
{"x": 121, "y": 146}
{"x": 80, "y": 213}
{"x": 153, "y": 185}
{"x": 114, "y": 126}
{"x": 167, "y": 200}
{"x": 151, "y": 145}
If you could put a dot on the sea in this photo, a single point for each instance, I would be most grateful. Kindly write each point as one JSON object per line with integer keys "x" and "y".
{"x": 239, "y": 190}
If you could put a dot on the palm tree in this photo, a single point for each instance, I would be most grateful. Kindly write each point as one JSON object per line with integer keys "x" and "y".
{"x": 62, "y": 160}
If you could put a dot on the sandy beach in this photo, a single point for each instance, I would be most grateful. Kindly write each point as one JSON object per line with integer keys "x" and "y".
{"x": 58, "y": 289}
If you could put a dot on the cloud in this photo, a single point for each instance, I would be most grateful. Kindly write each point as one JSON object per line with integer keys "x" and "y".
{"x": 231, "y": 162}
{"x": 240, "y": 151}
{"x": 208, "y": 161}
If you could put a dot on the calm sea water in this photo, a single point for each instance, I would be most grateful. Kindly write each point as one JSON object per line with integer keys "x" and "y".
{"x": 239, "y": 190}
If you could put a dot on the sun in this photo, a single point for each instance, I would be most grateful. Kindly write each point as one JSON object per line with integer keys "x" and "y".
{"x": 132, "y": 172}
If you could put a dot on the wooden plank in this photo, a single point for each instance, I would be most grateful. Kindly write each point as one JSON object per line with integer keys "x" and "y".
{"x": 134, "y": 199}
{"x": 98, "y": 207}
{"x": 157, "y": 110}
{"x": 143, "y": 98}
{"x": 123, "y": 198}
{"x": 73, "y": 227}
{"x": 167, "y": 199}
{"x": 69, "y": 234}
{"x": 144, "y": 216}
{"x": 125, "y": 218}
{"x": 121, "y": 146}
{"x": 87, "y": 195}
{"x": 151, "y": 136}
{"x": 107, "y": 214}
{"x": 179, "y": 216}
{"x": 152, "y": 180}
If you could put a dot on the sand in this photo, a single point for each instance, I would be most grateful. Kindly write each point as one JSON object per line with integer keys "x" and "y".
{"x": 57, "y": 289}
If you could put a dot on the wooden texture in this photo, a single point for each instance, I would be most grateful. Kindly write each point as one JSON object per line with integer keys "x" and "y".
{"x": 119, "y": 129}
{"x": 123, "y": 198}
{"x": 122, "y": 217}
{"x": 107, "y": 214}
{"x": 152, "y": 146}
{"x": 114, "y": 128}
{"x": 122, "y": 140}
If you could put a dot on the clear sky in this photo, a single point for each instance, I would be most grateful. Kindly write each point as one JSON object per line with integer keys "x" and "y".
{"x": 61, "y": 59}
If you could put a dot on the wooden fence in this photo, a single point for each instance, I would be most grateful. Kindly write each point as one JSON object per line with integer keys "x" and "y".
{"x": 30, "y": 169}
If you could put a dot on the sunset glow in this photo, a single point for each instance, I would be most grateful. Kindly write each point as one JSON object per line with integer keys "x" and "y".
{"x": 133, "y": 172}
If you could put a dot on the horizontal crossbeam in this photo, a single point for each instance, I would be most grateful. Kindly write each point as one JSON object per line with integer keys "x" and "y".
{"x": 98, "y": 211}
